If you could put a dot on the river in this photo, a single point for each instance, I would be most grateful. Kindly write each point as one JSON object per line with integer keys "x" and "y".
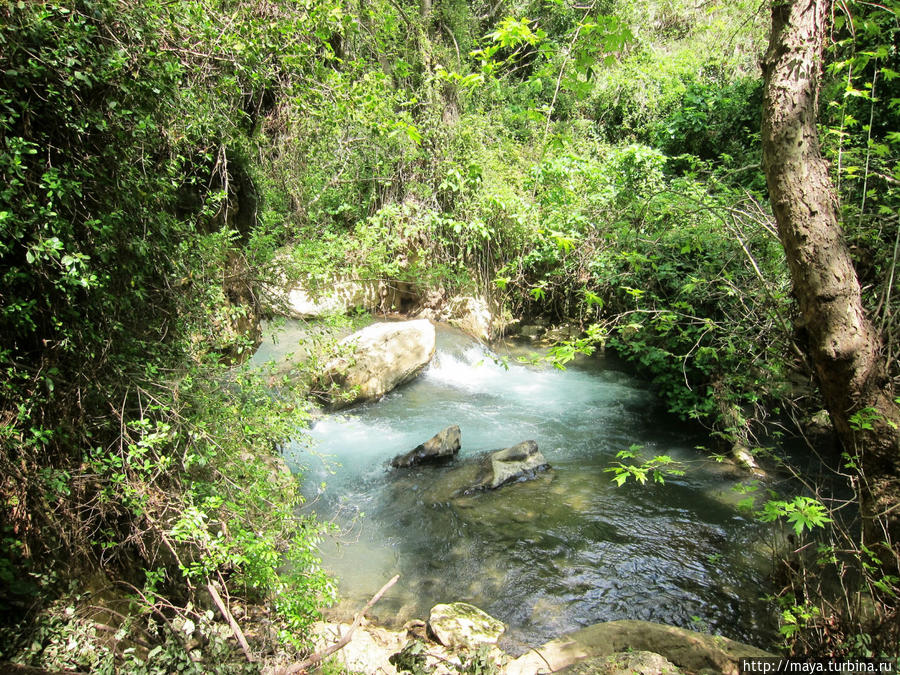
{"x": 546, "y": 556}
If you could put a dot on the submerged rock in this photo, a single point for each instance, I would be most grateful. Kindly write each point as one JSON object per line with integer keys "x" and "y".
{"x": 531, "y": 332}
{"x": 460, "y": 624}
{"x": 463, "y": 483}
{"x": 520, "y": 462}
{"x": 566, "y": 331}
{"x": 375, "y": 360}
{"x": 442, "y": 445}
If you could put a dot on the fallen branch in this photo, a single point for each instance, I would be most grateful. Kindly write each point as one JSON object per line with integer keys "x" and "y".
{"x": 235, "y": 628}
{"x": 319, "y": 656}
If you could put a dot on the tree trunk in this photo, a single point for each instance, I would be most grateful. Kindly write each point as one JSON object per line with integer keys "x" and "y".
{"x": 844, "y": 346}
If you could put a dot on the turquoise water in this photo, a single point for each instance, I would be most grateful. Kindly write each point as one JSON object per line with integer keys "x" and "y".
{"x": 547, "y": 556}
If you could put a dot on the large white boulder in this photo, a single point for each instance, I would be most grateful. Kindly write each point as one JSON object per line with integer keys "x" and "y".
{"x": 472, "y": 316}
{"x": 376, "y": 359}
{"x": 305, "y": 298}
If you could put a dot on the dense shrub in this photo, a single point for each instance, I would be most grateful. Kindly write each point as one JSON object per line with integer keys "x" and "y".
{"x": 126, "y": 226}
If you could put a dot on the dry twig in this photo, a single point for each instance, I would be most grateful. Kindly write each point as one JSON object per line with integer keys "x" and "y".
{"x": 235, "y": 628}
{"x": 322, "y": 654}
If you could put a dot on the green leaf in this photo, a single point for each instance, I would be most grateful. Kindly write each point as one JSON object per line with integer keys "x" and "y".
{"x": 413, "y": 134}
{"x": 592, "y": 299}
{"x": 746, "y": 504}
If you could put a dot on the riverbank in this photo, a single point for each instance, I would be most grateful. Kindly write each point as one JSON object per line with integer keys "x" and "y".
{"x": 603, "y": 646}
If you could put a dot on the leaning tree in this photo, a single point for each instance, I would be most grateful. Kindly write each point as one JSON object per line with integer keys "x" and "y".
{"x": 844, "y": 346}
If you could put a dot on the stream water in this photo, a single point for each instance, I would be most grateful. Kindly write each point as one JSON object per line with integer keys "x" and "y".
{"x": 545, "y": 556}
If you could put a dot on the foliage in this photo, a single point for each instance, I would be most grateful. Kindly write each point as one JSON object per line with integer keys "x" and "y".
{"x": 795, "y": 617}
{"x": 715, "y": 121}
{"x": 128, "y": 242}
{"x": 61, "y": 641}
{"x": 479, "y": 662}
{"x": 834, "y": 596}
{"x": 685, "y": 64}
{"x": 412, "y": 659}
{"x": 67, "y": 635}
{"x": 677, "y": 279}
{"x": 802, "y": 512}
{"x": 655, "y": 468}
{"x": 861, "y": 113}
{"x": 163, "y": 163}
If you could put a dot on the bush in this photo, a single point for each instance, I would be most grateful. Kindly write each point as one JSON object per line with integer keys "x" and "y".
{"x": 126, "y": 224}
{"x": 714, "y": 121}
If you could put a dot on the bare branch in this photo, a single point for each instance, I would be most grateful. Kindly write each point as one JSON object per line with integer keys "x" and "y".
{"x": 319, "y": 656}
{"x": 235, "y": 628}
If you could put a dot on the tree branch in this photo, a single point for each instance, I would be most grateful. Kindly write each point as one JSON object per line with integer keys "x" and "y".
{"x": 319, "y": 656}
{"x": 235, "y": 628}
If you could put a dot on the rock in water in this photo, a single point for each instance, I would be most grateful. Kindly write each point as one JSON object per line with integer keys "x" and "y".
{"x": 440, "y": 446}
{"x": 520, "y": 462}
{"x": 462, "y": 625}
{"x": 375, "y": 360}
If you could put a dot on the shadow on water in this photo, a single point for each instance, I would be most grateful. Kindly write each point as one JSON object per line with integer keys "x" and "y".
{"x": 546, "y": 556}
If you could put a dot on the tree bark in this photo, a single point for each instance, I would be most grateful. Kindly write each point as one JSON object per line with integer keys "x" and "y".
{"x": 844, "y": 346}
